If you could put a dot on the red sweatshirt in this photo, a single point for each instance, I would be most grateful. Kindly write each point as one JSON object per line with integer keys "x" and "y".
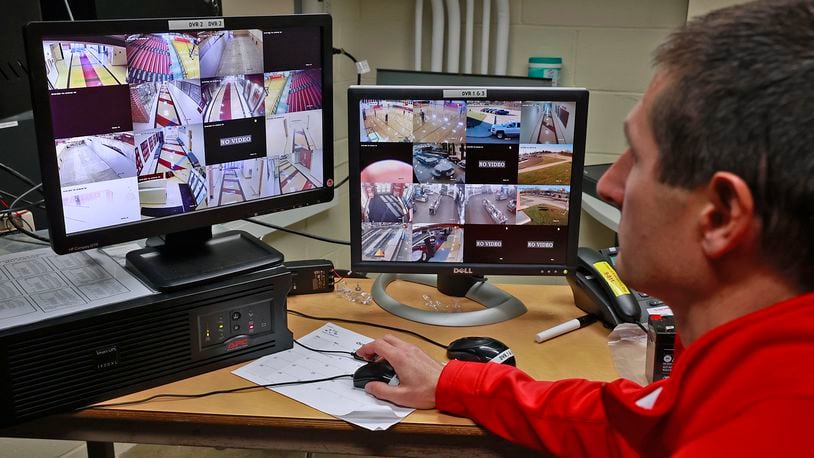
{"x": 746, "y": 388}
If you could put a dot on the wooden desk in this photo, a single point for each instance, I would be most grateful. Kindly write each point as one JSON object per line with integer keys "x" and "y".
{"x": 264, "y": 419}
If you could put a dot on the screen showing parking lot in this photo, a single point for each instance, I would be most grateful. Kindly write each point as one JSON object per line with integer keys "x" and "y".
{"x": 480, "y": 181}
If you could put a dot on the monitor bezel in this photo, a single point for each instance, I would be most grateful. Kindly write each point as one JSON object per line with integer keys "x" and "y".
{"x": 358, "y": 93}
{"x": 62, "y": 242}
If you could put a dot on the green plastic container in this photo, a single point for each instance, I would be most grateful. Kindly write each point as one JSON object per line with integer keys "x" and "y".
{"x": 546, "y": 67}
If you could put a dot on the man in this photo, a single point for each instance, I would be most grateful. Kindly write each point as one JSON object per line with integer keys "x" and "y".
{"x": 716, "y": 191}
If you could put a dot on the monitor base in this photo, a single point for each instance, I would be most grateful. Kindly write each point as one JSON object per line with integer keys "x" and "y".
{"x": 500, "y": 305}
{"x": 192, "y": 258}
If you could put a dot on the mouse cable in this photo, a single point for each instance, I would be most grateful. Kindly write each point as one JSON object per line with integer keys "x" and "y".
{"x": 365, "y": 323}
{"x": 212, "y": 393}
{"x": 351, "y": 353}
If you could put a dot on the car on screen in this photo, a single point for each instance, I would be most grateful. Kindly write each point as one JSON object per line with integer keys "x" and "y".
{"x": 443, "y": 169}
{"x": 427, "y": 159}
{"x": 506, "y": 129}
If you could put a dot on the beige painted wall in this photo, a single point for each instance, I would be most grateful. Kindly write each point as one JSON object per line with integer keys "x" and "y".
{"x": 699, "y": 7}
{"x": 605, "y": 46}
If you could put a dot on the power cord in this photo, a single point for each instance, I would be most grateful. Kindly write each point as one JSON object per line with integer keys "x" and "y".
{"x": 365, "y": 323}
{"x": 28, "y": 202}
{"x": 344, "y": 180}
{"x": 355, "y": 63}
{"x": 13, "y": 208}
{"x": 18, "y": 175}
{"x": 237, "y": 390}
{"x": 292, "y": 231}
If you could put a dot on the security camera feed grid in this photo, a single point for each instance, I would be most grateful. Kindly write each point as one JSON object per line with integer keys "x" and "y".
{"x": 149, "y": 125}
{"x": 489, "y": 193}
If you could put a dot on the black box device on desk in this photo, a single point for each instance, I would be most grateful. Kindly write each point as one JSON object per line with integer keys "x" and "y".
{"x": 62, "y": 363}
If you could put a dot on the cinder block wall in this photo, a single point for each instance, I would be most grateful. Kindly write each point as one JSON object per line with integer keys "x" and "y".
{"x": 606, "y": 46}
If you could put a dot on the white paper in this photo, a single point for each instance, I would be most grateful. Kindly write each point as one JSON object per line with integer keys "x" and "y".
{"x": 39, "y": 284}
{"x": 337, "y": 397}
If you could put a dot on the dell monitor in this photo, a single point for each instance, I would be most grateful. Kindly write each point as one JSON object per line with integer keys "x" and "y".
{"x": 164, "y": 127}
{"x": 459, "y": 182}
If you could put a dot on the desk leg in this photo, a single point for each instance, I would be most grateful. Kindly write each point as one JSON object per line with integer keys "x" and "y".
{"x": 101, "y": 450}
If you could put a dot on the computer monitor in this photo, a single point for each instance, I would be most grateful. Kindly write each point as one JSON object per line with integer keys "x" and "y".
{"x": 460, "y": 182}
{"x": 168, "y": 126}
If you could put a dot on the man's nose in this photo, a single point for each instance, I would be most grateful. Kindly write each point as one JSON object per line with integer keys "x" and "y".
{"x": 611, "y": 185}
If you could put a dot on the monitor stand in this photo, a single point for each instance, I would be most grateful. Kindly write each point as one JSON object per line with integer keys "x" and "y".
{"x": 195, "y": 256}
{"x": 500, "y": 305}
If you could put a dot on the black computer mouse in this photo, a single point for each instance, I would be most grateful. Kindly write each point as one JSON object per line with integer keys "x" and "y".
{"x": 376, "y": 371}
{"x": 481, "y": 349}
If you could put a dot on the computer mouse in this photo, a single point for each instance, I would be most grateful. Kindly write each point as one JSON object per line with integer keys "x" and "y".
{"x": 481, "y": 349}
{"x": 376, "y": 371}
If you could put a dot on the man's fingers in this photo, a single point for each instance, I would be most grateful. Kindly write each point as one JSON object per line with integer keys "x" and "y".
{"x": 383, "y": 391}
{"x": 377, "y": 347}
{"x": 393, "y": 340}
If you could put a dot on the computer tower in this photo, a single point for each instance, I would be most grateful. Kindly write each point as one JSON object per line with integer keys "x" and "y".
{"x": 76, "y": 360}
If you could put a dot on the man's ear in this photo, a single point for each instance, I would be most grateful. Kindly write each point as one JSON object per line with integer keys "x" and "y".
{"x": 728, "y": 217}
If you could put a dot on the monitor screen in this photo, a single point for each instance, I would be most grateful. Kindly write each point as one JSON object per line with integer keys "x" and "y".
{"x": 466, "y": 180}
{"x": 148, "y": 127}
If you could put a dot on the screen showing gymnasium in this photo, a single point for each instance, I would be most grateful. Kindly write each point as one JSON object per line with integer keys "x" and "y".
{"x": 153, "y": 123}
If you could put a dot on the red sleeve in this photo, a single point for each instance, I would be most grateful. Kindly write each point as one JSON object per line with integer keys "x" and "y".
{"x": 770, "y": 428}
{"x": 564, "y": 418}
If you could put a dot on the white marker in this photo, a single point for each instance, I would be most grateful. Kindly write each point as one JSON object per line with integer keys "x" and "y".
{"x": 560, "y": 329}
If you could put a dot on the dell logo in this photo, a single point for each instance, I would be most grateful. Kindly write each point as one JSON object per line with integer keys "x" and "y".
{"x": 461, "y": 270}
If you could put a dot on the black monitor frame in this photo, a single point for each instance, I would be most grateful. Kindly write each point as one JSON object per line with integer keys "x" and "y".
{"x": 359, "y": 93}
{"x": 63, "y": 242}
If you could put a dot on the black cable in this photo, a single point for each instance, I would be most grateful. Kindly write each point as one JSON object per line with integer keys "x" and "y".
{"x": 344, "y": 180}
{"x": 358, "y": 75}
{"x": 383, "y": 326}
{"x": 351, "y": 353}
{"x": 14, "y": 196}
{"x": 18, "y": 175}
{"x": 291, "y": 231}
{"x": 211, "y": 393}
{"x": 33, "y": 242}
{"x": 14, "y": 208}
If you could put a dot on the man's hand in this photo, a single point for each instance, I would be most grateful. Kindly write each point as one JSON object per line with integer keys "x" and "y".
{"x": 418, "y": 373}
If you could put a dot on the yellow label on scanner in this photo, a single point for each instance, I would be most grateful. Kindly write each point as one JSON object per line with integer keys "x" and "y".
{"x": 612, "y": 278}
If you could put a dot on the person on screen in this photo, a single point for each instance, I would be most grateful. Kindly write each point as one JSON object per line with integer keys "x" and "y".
{"x": 717, "y": 202}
